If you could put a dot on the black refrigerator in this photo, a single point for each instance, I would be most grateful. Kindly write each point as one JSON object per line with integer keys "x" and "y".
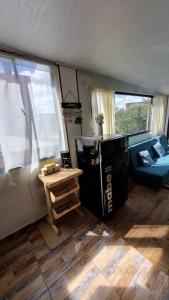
{"x": 104, "y": 183}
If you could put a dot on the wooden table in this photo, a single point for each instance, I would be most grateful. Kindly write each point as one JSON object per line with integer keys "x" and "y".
{"x": 61, "y": 189}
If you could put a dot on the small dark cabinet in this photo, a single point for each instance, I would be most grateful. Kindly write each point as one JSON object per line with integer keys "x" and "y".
{"x": 104, "y": 183}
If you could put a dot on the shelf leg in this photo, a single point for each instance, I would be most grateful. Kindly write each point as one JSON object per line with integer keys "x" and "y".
{"x": 54, "y": 227}
{"x": 50, "y": 215}
{"x": 80, "y": 213}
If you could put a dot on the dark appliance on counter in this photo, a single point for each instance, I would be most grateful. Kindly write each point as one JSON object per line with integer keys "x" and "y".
{"x": 104, "y": 183}
{"x": 66, "y": 159}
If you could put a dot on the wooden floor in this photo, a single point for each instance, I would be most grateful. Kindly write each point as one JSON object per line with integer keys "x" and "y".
{"x": 144, "y": 223}
{"x": 95, "y": 262}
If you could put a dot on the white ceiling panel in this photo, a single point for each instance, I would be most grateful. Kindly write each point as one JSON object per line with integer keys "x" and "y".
{"x": 124, "y": 39}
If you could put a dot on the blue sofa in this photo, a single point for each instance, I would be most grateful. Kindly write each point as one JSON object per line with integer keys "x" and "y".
{"x": 157, "y": 174}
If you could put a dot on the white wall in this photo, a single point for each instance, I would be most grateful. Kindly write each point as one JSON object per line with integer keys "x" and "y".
{"x": 22, "y": 196}
{"x": 70, "y": 94}
{"x": 22, "y": 200}
{"x": 86, "y": 82}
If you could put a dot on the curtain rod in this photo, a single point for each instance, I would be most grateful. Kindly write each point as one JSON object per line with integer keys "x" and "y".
{"x": 134, "y": 94}
{"x": 25, "y": 55}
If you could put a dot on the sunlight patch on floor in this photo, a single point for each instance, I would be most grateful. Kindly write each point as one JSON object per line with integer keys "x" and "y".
{"x": 148, "y": 231}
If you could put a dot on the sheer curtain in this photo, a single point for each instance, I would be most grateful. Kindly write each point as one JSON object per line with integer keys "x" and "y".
{"x": 31, "y": 125}
{"x": 159, "y": 109}
{"x": 31, "y": 129}
{"x": 103, "y": 101}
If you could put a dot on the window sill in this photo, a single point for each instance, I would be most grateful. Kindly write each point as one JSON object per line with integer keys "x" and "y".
{"x": 138, "y": 133}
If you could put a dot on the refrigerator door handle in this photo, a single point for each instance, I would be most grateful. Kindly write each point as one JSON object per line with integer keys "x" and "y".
{"x": 101, "y": 180}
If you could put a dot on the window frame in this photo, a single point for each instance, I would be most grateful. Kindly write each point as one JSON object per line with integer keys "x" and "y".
{"x": 141, "y": 95}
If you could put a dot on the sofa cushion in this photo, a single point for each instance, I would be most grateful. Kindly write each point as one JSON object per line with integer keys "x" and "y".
{"x": 159, "y": 149}
{"x": 163, "y": 140}
{"x": 156, "y": 175}
{"x": 146, "y": 158}
{"x": 156, "y": 170}
{"x": 162, "y": 161}
{"x": 146, "y": 145}
{"x": 134, "y": 149}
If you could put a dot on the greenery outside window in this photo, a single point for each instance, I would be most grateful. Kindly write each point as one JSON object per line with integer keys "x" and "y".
{"x": 132, "y": 113}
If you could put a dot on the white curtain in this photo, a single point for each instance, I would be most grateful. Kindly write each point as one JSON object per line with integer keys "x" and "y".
{"x": 31, "y": 125}
{"x": 159, "y": 109}
{"x": 103, "y": 102}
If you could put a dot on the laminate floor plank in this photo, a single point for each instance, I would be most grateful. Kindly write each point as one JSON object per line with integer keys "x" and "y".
{"x": 144, "y": 223}
{"x": 126, "y": 258}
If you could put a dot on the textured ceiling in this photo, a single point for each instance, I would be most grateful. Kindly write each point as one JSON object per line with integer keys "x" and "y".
{"x": 124, "y": 39}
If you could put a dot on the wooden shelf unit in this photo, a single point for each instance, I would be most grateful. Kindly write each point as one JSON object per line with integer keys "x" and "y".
{"x": 69, "y": 205}
{"x": 61, "y": 191}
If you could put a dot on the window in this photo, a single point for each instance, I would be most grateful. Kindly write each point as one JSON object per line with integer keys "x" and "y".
{"x": 132, "y": 113}
{"x": 31, "y": 126}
